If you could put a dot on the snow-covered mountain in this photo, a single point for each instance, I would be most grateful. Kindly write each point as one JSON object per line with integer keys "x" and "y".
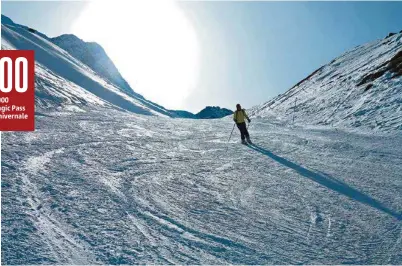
{"x": 360, "y": 89}
{"x": 209, "y": 112}
{"x": 213, "y": 112}
{"x": 94, "y": 56}
{"x": 63, "y": 81}
{"x": 74, "y": 74}
{"x": 106, "y": 186}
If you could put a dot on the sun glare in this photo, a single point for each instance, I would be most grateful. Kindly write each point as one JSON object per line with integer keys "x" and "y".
{"x": 152, "y": 43}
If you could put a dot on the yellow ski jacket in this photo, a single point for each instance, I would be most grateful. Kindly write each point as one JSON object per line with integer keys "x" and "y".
{"x": 240, "y": 116}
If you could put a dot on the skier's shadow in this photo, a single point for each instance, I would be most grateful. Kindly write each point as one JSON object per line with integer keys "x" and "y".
{"x": 329, "y": 182}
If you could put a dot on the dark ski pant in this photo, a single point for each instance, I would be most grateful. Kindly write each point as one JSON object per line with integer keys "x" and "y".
{"x": 243, "y": 130}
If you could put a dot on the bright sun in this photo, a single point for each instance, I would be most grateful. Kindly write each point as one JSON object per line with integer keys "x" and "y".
{"x": 152, "y": 44}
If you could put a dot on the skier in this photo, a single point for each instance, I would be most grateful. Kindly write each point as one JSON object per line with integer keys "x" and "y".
{"x": 239, "y": 117}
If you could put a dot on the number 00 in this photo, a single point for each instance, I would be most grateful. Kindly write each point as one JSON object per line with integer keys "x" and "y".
{"x": 21, "y": 70}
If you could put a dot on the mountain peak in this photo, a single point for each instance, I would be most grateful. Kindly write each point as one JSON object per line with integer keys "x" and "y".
{"x": 74, "y": 40}
{"x": 211, "y": 112}
{"x": 6, "y": 20}
{"x": 69, "y": 38}
{"x": 94, "y": 56}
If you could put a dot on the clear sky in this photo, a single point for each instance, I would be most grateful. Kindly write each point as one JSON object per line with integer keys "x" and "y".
{"x": 248, "y": 51}
{"x": 52, "y": 18}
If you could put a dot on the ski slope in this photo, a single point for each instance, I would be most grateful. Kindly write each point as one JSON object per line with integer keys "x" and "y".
{"x": 101, "y": 187}
{"x": 361, "y": 89}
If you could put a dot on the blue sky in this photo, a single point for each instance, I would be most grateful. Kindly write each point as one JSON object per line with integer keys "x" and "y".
{"x": 250, "y": 51}
{"x": 261, "y": 49}
{"x": 52, "y": 18}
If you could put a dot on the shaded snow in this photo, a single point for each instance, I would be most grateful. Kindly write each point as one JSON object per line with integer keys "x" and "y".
{"x": 110, "y": 187}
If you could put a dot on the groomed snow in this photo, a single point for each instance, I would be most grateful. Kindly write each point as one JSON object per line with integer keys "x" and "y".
{"x": 112, "y": 187}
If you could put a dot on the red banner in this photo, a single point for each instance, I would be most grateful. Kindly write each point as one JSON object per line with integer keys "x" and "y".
{"x": 17, "y": 90}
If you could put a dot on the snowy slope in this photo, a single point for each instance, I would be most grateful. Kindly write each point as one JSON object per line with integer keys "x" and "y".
{"x": 94, "y": 56}
{"x": 184, "y": 114}
{"x": 101, "y": 186}
{"x": 62, "y": 80}
{"x": 360, "y": 89}
{"x": 118, "y": 188}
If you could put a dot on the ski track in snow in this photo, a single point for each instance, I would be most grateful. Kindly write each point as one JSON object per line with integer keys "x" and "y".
{"x": 117, "y": 188}
{"x": 64, "y": 248}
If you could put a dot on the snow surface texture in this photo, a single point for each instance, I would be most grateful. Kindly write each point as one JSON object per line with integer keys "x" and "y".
{"x": 112, "y": 187}
{"x": 360, "y": 89}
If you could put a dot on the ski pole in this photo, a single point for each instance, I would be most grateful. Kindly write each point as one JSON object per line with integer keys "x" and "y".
{"x": 231, "y": 133}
